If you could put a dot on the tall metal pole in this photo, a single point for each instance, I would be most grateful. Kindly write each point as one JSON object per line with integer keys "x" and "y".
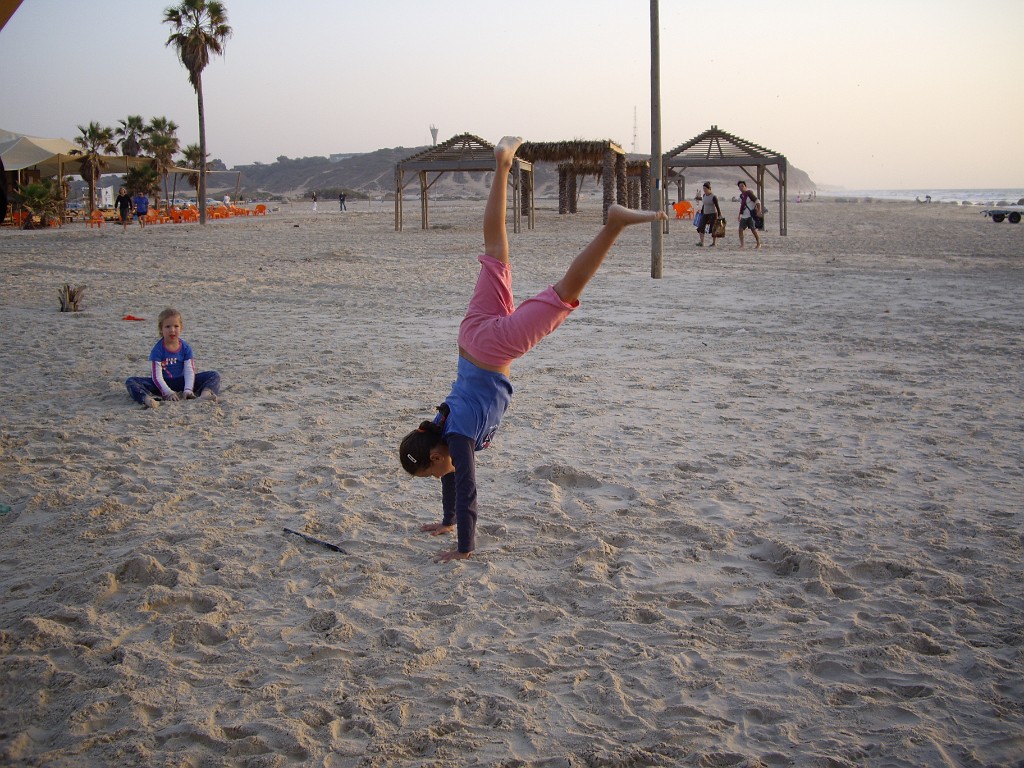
{"x": 657, "y": 235}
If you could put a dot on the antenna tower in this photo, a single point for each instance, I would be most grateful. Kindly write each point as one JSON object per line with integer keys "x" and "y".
{"x": 634, "y": 130}
{"x": 433, "y": 133}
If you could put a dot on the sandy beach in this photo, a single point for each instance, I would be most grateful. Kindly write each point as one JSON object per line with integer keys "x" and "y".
{"x": 765, "y": 511}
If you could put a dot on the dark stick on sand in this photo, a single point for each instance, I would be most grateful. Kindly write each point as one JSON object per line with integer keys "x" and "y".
{"x": 315, "y": 540}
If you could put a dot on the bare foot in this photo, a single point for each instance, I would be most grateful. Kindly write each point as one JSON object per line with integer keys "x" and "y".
{"x": 449, "y": 555}
{"x": 209, "y": 394}
{"x": 437, "y": 529}
{"x": 151, "y": 402}
{"x": 623, "y": 216}
{"x": 505, "y": 149}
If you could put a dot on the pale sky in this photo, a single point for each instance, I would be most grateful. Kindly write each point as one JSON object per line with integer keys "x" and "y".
{"x": 874, "y": 94}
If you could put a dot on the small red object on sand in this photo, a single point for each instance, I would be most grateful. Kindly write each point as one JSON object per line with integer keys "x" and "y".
{"x": 132, "y": 317}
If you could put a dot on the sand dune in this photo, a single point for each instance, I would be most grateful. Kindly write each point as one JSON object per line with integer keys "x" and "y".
{"x": 765, "y": 511}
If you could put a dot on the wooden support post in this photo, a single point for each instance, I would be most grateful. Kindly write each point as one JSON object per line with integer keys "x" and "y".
{"x": 399, "y": 174}
{"x": 424, "y": 215}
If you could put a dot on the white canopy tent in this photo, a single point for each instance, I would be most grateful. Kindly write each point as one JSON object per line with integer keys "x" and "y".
{"x": 54, "y": 157}
{"x": 60, "y": 157}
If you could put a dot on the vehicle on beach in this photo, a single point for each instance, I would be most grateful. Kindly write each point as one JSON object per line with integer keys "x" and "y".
{"x": 1011, "y": 212}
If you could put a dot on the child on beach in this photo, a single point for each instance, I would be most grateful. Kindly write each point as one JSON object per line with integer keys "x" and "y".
{"x": 493, "y": 333}
{"x": 173, "y": 369}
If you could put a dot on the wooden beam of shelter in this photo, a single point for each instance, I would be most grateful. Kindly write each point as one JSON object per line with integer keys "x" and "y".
{"x": 578, "y": 159}
{"x": 464, "y": 152}
{"x": 7, "y": 9}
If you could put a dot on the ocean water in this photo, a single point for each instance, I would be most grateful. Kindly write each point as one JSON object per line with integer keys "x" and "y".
{"x": 959, "y": 196}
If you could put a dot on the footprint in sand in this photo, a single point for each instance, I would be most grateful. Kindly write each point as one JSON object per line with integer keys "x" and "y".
{"x": 145, "y": 569}
{"x": 603, "y": 496}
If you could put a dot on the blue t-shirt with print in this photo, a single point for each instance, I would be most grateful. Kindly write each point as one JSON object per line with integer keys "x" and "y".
{"x": 172, "y": 363}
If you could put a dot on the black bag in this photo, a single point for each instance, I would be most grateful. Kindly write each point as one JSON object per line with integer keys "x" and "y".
{"x": 718, "y": 229}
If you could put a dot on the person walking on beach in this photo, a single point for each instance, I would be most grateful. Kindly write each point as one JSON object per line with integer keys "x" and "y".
{"x": 173, "y": 368}
{"x": 314, "y": 202}
{"x": 141, "y": 204}
{"x": 493, "y": 333}
{"x": 710, "y": 211}
{"x": 123, "y": 204}
{"x": 748, "y": 202}
{"x": 341, "y": 202}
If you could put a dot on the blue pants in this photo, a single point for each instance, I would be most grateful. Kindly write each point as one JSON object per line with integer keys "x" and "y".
{"x": 140, "y": 387}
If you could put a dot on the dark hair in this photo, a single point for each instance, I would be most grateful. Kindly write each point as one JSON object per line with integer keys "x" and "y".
{"x": 414, "y": 452}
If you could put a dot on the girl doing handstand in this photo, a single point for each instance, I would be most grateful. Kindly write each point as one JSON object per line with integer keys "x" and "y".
{"x": 493, "y": 333}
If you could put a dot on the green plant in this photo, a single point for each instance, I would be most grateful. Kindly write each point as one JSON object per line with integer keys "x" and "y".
{"x": 42, "y": 199}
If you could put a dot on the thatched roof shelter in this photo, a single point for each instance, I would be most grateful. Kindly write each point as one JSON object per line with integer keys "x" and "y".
{"x": 603, "y": 159}
{"x": 716, "y": 148}
{"x": 464, "y": 152}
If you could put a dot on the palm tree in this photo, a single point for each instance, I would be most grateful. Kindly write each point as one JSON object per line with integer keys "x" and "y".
{"x": 143, "y": 178}
{"x": 130, "y": 135}
{"x": 193, "y": 159}
{"x": 200, "y": 29}
{"x": 162, "y": 143}
{"x": 94, "y": 140}
{"x": 161, "y": 125}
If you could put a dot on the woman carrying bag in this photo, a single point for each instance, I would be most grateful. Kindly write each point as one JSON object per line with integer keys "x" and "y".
{"x": 710, "y": 213}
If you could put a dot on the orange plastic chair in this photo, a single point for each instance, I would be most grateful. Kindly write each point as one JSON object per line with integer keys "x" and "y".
{"x": 684, "y": 209}
{"x": 96, "y": 220}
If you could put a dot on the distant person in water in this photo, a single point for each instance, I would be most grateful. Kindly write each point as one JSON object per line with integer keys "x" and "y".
{"x": 493, "y": 333}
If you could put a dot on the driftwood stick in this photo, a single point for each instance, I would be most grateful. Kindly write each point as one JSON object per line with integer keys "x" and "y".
{"x": 315, "y": 540}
